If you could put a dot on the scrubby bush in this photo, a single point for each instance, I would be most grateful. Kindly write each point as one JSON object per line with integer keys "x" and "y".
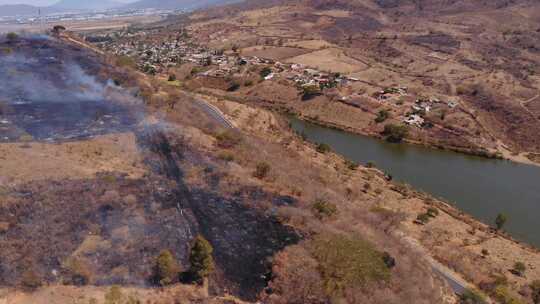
{"x": 432, "y": 212}
{"x": 233, "y": 87}
{"x": 228, "y": 139}
{"x": 79, "y": 271}
{"x": 382, "y": 115}
{"x": 31, "y": 280}
{"x": 114, "y": 295}
{"x": 346, "y": 262}
{"x": 519, "y": 268}
{"x": 423, "y": 218}
{"x": 323, "y": 209}
{"x": 125, "y": 61}
{"x": 261, "y": 170}
{"x": 226, "y": 156}
{"x": 504, "y": 296}
{"x": 200, "y": 257}
{"x": 323, "y": 148}
{"x": 265, "y": 72}
{"x": 172, "y": 77}
{"x": 472, "y": 297}
{"x": 535, "y": 291}
{"x": 500, "y": 221}
{"x": 12, "y": 36}
{"x": 395, "y": 133}
{"x": 310, "y": 91}
{"x": 166, "y": 268}
{"x": 352, "y": 165}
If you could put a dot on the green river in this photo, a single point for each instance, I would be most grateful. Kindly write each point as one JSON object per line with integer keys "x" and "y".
{"x": 479, "y": 186}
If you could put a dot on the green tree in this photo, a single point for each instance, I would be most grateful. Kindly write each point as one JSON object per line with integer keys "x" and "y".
{"x": 200, "y": 257}
{"x": 167, "y": 268}
{"x": 500, "y": 221}
{"x": 395, "y": 133}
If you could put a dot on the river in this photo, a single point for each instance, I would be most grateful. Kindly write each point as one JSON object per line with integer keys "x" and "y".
{"x": 479, "y": 186}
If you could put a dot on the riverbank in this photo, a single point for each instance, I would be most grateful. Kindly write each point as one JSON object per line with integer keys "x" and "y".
{"x": 501, "y": 153}
{"x": 454, "y": 238}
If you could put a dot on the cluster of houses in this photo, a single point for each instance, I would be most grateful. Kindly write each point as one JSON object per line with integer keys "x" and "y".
{"x": 156, "y": 56}
{"x": 421, "y": 107}
{"x": 391, "y": 92}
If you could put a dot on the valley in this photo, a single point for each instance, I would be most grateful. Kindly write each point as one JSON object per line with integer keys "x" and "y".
{"x": 282, "y": 147}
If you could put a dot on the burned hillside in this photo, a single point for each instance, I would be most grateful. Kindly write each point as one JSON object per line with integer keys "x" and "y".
{"x": 52, "y": 91}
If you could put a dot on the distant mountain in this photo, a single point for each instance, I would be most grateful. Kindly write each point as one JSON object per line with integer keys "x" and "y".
{"x": 86, "y": 5}
{"x": 176, "y": 4}
{"x": 25, "y": 10}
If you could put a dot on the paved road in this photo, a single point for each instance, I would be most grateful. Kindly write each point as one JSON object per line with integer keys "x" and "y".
{"x": 214, "y": 112}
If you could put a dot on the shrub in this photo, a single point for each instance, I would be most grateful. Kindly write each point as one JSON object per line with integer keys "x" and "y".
{"x": 423, "y": 218}
{"x": 200, "y": 257}
{"x": 310, "y": 91}
{"x": 166, "y": 268}
{"x": 500, "y": 221}
{"x": 519, "y": 268}
{"x": 12, "y": 36}
{"x": 261, "y": 170}
{"x": 172, "y": 77}
{"x": 228, "y": 139}
{"x": 388, "y": 260}
{"x": 323, "y": 148}
{"x": 535, "y": 291}
{"x": 114, "y": 295}
{"x": 31, "y": 280}
{"x": 80, "y": 273}
{"x": 395, "y": 133}
{"x": 248, "y": 83}
{"x": 352, "y": 165}
{"x": 485, "y": 252}
{"x": 125, "y": 61}
{"x": 324, "y": 209}
{"x": 226, "y": 156}
{"x": 265, "y": 72}
{"x": 503, "y": 295}
{"x": 346, "y": 262}
{"x": 382, "y": 115}
{"x": 472, "y": 297}
{"x": 233, "y": 87}
{"x": 432, "y": 212}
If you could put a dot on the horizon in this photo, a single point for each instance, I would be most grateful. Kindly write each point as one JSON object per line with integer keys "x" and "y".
{"x": 44, "y": 2}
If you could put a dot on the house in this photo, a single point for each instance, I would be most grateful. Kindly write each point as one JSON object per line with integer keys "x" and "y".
{"x": 414, "y": 120}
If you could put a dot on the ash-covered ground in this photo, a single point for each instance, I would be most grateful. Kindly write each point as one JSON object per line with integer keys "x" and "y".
{"x": 50, "y": 91}
{"x": 109, "y": 228}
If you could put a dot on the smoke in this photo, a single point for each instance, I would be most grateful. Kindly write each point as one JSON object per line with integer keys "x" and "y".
{"x": 48, "y": 79}
{"x": 46, "y": 92}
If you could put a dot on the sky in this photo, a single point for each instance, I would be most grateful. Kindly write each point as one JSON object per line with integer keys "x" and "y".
{"x": 43, "y": 2}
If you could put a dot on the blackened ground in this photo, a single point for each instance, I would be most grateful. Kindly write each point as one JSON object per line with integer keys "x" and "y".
{"x": 70, "y": 120}
{"x": 116, "y": 226}
{"x": 127, "y": 221}
{"x": 54, "y": 91}
{"x": 244, "y": 237}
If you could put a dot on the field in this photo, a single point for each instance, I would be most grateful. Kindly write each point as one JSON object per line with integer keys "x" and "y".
{"x": 329, "y": 60}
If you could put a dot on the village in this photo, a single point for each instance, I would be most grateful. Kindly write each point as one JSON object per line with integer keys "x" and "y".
{"x": 158, "y": 56}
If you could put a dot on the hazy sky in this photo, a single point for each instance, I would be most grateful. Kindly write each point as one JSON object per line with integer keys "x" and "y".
{"x": 42, "y": 2}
